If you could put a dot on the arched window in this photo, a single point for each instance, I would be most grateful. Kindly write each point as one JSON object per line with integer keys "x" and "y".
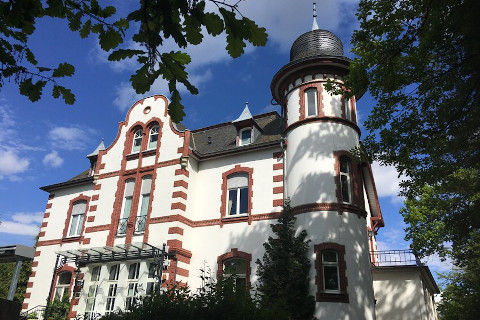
{"x": 137, "y": 140}
{"x": 76, "y": 220}
{"x": 237, "y": 268}
{"x": 144, "y": 202}
{"x": 311, "y": 101}
{"x": 345, "y": 179}
{"x": 237, "y": 201}
{"x": 153, "y": 138}
{"x": 127, "y": 206}
{"x": 63, "y": 284}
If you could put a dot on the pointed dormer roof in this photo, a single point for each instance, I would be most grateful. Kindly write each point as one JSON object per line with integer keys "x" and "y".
{"x": 315, "y": 25}
{"x": 245, "y": 115}
{"x": 100, "y": 147}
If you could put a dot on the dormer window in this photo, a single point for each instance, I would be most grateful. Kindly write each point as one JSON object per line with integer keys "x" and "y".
{"x": 245, "y": 137}
{"x": 311, "y": 101}
{"x": 137, "y": 140}
{"x": 152, "y": 141}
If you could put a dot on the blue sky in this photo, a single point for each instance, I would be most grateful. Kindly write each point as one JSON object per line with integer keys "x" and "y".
{"x": 47, "y": 142}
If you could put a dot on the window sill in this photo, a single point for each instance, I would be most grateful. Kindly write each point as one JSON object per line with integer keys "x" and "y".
{"x": 150, "y": 152}
{"x": 133, "y": 156}
{"x": 71, "y": 239}
{"x": 235, "y": 218}
{"x": 332, "y": 297}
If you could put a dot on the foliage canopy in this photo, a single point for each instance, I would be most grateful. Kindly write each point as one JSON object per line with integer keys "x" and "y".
{"x": 154, "y": 21}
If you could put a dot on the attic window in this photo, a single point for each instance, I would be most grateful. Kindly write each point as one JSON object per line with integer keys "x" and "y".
{"x": 245, "y": 137}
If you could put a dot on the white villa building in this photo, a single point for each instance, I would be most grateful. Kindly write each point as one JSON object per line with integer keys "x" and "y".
{"x": 210, "y": 194}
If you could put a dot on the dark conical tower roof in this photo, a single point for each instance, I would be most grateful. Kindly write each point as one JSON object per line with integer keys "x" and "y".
{"x": 317, "y": 42}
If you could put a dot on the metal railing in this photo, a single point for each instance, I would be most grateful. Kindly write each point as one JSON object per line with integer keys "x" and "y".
{"x": 122, "y": 227}
{"x": 140, "y": 223}
{"x": 394, "y": 258}
{"x": 33, "y": 313}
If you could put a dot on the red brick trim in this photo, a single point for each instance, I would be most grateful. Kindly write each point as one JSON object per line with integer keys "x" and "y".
{"x": 95, "y": 197}
{"x": 81, "y": 197}
{"x": 29, "y": 284}
{"x": 278, "y": 178}
{"x": 181, "y": 183}
{"x": 91, "y": 219}
{"x": 37, "y": 253}
{"x": 49, "y": 205}
{"x": 28, "y": 295}
{"x": 44, "y": 224}
{"x": 174, "y": 243}
{"x": 223, "y": 205}
{"x": 277, "y": 190}
{"x": 179, "y": 194}
{"x": 309, "y": 120}
{"x": 301, "y": 91}
{"x": 98, "y": 186}
{"x": 32, "y": 274}
{"x": 104, "y": 227}
{"x": 34, "y": 264}
{"x": 234, "y": 253}
{"x": 24, "y": 306}
{"x": 41, "y": 234}
{"x": 179, "y": 172}
{"x": 51, "y": 196}
{"x": 278, "y": 203}
{"x": 329, "y": 206}
{"x": 323, "y": 296}
{"x": 278, "y": 166}
{"x": 46, "y": 215}
{"x": 93, "y": 208}
{"x": 278, "y": 155}
{"x": 180, "y": 150}
{"x": 178, "y": 205}
{"x": 175, "y": 230}
{"x": 86, "y": 240}
{"x": 182, "y": 272}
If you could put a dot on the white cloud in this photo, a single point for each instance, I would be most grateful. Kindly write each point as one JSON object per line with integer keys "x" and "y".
{"x": 53, "y": 159}
{"x": 11, "y": 163}
{"x": 22, "y": 223}
{"x": 387, "y": 182}
{"x": 69, "y": 138}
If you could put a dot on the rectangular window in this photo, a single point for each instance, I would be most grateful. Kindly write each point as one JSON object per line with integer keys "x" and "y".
{"x": 137, "y": 141}
{"x": 331, "y": 279}
{"x": 152, "y": 283}
{"x": 144, "y": 202}
{"x": 245, "y": 137}
{"x": 112, "y": 294}
{"x": 92, "y": 293}
{"x": 348, "y": 109}
{"x": 127, "y": 207}
{"x": 152, "y": 141}
{"x": 345, "y": 180}
{"x": 76, "y": 222}
{"x": 311, "y": 101}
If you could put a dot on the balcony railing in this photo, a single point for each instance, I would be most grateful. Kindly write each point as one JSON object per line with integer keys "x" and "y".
{"x": 394, "y": 258}
{"x": 140, "y": 224}
{"x": 123, "y": 225}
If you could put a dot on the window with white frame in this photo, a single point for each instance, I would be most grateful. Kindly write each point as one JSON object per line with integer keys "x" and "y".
{"x": 112, "y": 288}
{"x": 311, "y": 101}
{"x": 152, "y": 140}
{"x": 237, "y": 268}
{"x": 345, "y": 179}
{"x": 144, "y": 202}
{"x": 137, "y": 141}
{"x": 237, "y": 202}
{"x": 347, "y": 108}
{"x": 152, "y": 282}
{"x": 331, "y": 280}
{"x": 92, "y": 293}
{"x": 127, "y": 207}
{"x": 245, "y": 137}
{"x": 76, "y": 220}
{"x": 63, "y": 284}
{"x": 132, "y": 285}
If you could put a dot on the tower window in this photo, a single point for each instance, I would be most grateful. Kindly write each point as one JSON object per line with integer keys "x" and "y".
{"x": 345, "y": 179}
{"x": 347, "y": 108}
{"x": 331, "y": 281}
{"x": 311, "y": 101}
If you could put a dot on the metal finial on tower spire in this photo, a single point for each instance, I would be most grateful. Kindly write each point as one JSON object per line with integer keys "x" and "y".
{"x": 315, "y": 25}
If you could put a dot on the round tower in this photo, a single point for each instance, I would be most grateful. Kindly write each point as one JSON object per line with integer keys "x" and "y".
{"x": 322, "y": 179}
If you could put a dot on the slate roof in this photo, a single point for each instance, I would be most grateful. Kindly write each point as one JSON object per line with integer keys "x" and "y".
{"x": 82, "y": 178}
{"x": 222, "y": 138}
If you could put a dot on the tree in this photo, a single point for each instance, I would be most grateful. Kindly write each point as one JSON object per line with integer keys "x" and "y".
{"x": 157, "y": 20}
{"x": 6, "y": 273}
{"x": 420, "y": 60}
{"x": 284, "y": 270}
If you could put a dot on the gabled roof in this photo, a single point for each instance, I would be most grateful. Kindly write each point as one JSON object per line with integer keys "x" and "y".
{"x": 100, "y": 147}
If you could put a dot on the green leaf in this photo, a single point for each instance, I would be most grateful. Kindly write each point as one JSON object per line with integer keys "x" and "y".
{"x": 75, "y": 21}
{"x": 30, "y": 56}
{"x": 85, "y": 31}
{"x": 67, "y": 95}
{"x": 63, "y": 70}
{"x": 235, "y": 46}
{"x": 32, "y": 91}
{"x": 140, "y": 80}
{"x": 213, "y": 23}
{"x": 121, "y": 54}
{"x": 121, "y": 23}
{"x": 110, "y": 39}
